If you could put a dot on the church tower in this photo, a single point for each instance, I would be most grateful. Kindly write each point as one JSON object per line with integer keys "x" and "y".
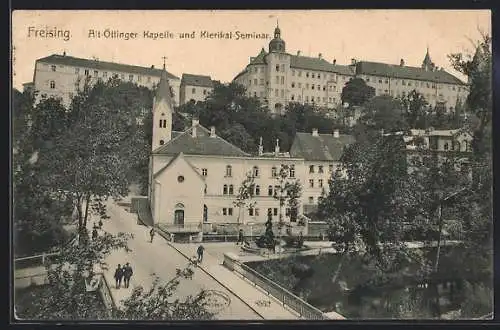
{"x": 277, "y": 44}
{"x": 162, "y": 112}
{"x": 427, "y": 63}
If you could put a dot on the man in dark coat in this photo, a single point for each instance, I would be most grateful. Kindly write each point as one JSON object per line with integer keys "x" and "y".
{"x": 118, "y": 276}
{"x": 240, "y": 237}
{"x": 152, "y": 234}
{"x": 127, "y": 274}
{"x": 200, "y": 253}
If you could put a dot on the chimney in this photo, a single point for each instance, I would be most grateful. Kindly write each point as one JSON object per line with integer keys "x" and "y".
{"x": 152, "y": 66}
{"x": 334, "y": 61}
{"x": 298, "y": 53}
{"x": 64, "y": 53}
{"x": 353, "y": 61}
{"x": 261, "y": 147}
{"x": 320, "y": 56}
{"x": 336, "y": 133}
{"x": 212, "y": 131}
{"x": 277, "y": 148}
{"x": 314, "y": 132}
{"x": 402, "y": 62}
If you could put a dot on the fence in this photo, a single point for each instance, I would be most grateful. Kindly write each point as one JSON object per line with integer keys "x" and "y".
{"x": 106, "y": 296}
{"x": 234, "y": 238}
{"x": 33, "y": 261}
{"x": 304, "y": 309}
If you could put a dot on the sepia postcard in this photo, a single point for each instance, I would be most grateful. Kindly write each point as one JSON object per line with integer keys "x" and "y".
{"x": 251, "y": 165}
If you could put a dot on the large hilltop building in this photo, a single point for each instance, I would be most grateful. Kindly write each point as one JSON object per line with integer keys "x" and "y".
{"x": 62, "y": 75}
{"x": 195, "y": 175}
{"x": 277, "y": 78}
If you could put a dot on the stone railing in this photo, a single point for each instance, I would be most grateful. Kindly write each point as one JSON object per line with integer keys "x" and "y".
{"x": 106, "y": 296}
{"x": 301, "y": 307}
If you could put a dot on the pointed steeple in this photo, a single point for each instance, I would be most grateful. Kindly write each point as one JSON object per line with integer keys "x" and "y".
{"x": 163, "y": 91}
{"x": 162, "y": 111}
{"x": 427, "y": 62}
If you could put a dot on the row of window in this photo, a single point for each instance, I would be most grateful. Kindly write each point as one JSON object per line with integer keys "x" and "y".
{"x": 318, "y": 75}
{"x": 193, "y": 91}
{"x": 413, "y": 82}
{"x": 228, "y": 211}
{"x": 311, "y": 183}
{"x": 320, "y": 169}
{"x": 104, "y": 74}
{"x": 256, "y": 171}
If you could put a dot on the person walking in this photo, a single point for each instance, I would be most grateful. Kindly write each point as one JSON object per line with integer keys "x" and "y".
{"x": 118, "y": 276}
{"x": 240, "y": 237}
{"x": 127, "y": 274}
{"x": 152, "y": 234}
{"x": 200, "y": 253}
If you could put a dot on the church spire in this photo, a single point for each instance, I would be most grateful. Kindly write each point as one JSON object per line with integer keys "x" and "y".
{"x": 162, "y": 111}
{"x": 427, "y": 62}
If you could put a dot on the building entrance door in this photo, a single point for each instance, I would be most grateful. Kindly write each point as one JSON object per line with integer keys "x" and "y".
{"x": 179, "y": 217}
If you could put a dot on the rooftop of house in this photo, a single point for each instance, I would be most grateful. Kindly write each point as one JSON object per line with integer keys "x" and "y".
{"x": 199, "y": 142}
{"x": 196, "y": 80}
{"x": 324, "y": 147}
{"x": 103, "y": 65}
{"x": 406, "y": 72}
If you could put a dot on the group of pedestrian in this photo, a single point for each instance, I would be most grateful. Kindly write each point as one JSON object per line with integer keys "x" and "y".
{"x": 123, "y": 273}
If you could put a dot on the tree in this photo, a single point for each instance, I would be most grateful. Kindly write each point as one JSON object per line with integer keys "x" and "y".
{"x": 95, "y": 164}
{"x": 416, "y": 108}
{"x": 160, "y": 302}
{"x": 384, "y": 113}
{"x": 245, "y": 195}
{"x": 287, "y": 192}
{"x": 67, "y": 274}
{"x": 356, "y": 92}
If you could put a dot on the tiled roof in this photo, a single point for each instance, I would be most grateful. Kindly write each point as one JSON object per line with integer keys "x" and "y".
{"x": 322, "y": 147}
{"x": 196, "y": 80}
{"x": 202, "y": 144}
{"x": 101, "y": 65}
{"x": 261, "y": 58}
{"x": 319, "y": 64}
{"x": 406, "y": 72}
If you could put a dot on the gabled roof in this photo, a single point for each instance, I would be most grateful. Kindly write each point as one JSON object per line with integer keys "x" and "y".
{"x": 196, "y": 80}
{"x": 319, "y": 64}
{"x": 202, "y": 144}
{"x": 173, "y": 160}
{"x": 406, "y": 72}
{"x": 102, "y": 65}
{"x": 325, "y": 147}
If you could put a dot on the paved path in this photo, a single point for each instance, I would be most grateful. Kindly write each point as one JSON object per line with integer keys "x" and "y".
{"x": 160, "y": 258}
{"x": 254, "y": 296}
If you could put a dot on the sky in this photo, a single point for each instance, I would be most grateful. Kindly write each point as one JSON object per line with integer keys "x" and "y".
{"x": 372, "y": 35}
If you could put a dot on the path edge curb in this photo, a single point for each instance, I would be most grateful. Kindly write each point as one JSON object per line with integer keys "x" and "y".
{"x": 227, "y": 288}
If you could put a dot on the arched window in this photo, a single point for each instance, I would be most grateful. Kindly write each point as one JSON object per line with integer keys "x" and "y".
{"x": 457, "y": 146}
{"x": 231, "y": 189}
{"x": 229, "y": 171}
{"x": 224, "y": 190}
{"x": 270, "y": 190}
{"x": 179, "y": 206}
{"x": 446, "y": 146}
{"x": 255, "y": 171}
{"x": 257, "y": 190}
{"x": 52, "y": 84}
